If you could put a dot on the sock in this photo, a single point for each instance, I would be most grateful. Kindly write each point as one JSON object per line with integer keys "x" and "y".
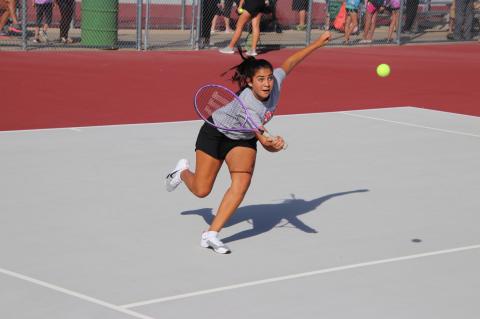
{"x": 211, "y": 234}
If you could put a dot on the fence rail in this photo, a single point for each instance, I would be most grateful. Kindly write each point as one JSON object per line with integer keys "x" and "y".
{"x": 181, "y": 24}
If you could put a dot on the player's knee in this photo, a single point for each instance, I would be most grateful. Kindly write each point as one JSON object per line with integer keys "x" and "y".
{"x": 202, "y": 191}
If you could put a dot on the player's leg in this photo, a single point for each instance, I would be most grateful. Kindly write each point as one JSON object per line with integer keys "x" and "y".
{"x": 348, "y": 27}
{"x": 255, "y": 34}
{"x": 393, "y": 24}
{"x": 373, "y": 25}
{"x": 242, "y": 20}
{"x": 241, "y": 163}
{"x": 201, "y": 181}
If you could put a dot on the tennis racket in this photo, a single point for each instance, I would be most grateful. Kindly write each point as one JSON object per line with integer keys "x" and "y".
{"x": 231, "y": 114}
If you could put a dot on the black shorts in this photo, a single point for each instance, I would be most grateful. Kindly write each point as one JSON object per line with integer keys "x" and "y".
{"x": 44, "y": 11}
{"x": 254, "y": 7}
{"x": 217, "y": 145}
{"x": 299, "y": 5}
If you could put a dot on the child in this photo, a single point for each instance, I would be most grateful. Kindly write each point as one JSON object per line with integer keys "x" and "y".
{"x": 260, "y": 86}
{"x": 372, "y": 10}
{"x": 351, "y": 22}
{"x": 43, "y": 9}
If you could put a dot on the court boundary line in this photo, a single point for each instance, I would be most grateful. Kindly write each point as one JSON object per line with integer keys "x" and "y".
{"x": 409, "y": 124}
{"x": 79, "y": 128}
{"x": 299, "y": 275}
{"x": 73, "y": 294}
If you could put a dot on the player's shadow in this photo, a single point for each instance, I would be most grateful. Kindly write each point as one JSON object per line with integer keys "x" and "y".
{"x": 265, "y": 217}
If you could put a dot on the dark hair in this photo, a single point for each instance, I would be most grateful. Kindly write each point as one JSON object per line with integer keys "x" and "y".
{"x": 247, "y": 69}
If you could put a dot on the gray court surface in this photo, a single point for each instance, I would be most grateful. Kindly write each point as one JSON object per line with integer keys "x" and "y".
{"x": 368, "y": 214}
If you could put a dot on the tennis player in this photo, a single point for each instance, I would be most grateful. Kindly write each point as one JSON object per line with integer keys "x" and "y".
{"x": 260, "y": 86}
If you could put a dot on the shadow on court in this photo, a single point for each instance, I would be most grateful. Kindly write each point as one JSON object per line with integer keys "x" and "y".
{"x": 265, "y": 217}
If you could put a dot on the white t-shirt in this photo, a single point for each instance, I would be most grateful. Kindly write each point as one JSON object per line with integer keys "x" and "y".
{"x": 259, "y": 111}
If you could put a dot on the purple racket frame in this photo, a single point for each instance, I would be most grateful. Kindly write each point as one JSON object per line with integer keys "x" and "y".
{"x": 248, "y": 120}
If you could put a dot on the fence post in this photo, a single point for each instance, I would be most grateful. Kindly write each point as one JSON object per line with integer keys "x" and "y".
{"x": 309, "y": 23}
{"x": 198, "y": 22}
{"x": 147, "y": 25}
{"x": 139, "y": 24}
{"x": 24, "y": 25}
{"x": 182, "y": 18}
{"x": 192, "y": 25}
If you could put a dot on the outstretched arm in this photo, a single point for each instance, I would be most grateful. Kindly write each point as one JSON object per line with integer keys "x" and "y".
{"x": 298, "y": 56}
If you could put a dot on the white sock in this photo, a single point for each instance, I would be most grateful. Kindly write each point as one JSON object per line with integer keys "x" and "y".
{"x": 211, "y": 234}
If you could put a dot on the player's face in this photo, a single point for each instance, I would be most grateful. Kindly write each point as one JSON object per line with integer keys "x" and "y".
{"x": 262, "y": 83}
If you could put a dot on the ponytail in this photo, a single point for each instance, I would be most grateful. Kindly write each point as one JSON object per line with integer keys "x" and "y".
{"x": 247, "y": 69}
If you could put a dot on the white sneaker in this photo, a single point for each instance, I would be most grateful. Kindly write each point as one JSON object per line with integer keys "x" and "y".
{"x": 214, "y": 243}
{"x": 251, "y": 53}
{"x": 173, "y": 179}
{"x": 226, "y": 50}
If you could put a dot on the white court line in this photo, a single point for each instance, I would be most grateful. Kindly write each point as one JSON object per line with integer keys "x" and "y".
{"x": 73, "y": 294}
{"x": 300, "y": 275}
{"x": 409, "y": 124}
{"x": 306, "y": 115}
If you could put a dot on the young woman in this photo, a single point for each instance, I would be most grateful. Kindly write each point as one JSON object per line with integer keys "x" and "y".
{"x": 260, "y": 86}
{"x": 392, "y": 6}
{"x": 372, "y": 10}
{"x": 248, "y": 10}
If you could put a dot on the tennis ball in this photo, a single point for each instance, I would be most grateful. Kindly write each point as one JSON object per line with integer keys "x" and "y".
{"x": 240, "y": 10}
{"x": 383, "y": 70}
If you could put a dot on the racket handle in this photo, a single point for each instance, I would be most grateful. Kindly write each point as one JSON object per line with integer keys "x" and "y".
{"x": 268, "y": 135}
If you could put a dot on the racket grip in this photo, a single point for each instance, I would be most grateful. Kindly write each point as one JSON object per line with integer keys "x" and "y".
{"x": 268, "y": 135}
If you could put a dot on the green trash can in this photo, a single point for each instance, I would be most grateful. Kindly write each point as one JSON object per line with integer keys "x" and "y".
{"x": 100, "y": 23}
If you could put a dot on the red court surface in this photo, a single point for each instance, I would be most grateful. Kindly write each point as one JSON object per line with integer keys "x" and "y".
{"x": 71, "y": 89}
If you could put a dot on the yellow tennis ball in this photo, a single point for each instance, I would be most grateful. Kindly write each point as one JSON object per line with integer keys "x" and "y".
{"x": 383, "y": 70}
{"x": 240, "y": 10}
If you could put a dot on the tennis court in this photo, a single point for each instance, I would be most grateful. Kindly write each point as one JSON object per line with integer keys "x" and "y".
{"x": 372, "y": 212}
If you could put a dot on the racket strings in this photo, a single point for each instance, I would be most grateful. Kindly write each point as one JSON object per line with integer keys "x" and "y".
{"x": 221, "y": 107}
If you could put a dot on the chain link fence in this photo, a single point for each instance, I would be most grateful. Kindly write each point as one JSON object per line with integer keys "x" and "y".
{"x": 207, "y": 24}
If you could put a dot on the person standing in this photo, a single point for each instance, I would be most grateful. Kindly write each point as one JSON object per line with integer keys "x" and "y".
{"x": 411, "y": 12}
{"x": 463, "y": 20}
{"x": 208, "y": 10}
{"x": 249, "y": 10}
{"x": 43, "y": 10}
{"x": 66, "y": 8}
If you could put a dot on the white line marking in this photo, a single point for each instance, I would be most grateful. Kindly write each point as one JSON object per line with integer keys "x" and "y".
{"x": 74, "y": 294}
{"x": 300, "y": 275}
{"x": 409, "y": 124}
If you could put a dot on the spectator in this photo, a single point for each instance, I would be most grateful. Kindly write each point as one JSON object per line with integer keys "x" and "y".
{"x": 411, "y": 13}
{"x": 351, "y": 21}
{"x": 209, "y": 9}
{"x": 463, "y": 20}
{"x": 224, "y": 9}
{"x": 252, "y": 10}
{"x": 371, "y": 13}
{"x": 43, "y": 9}
{"x": 66, "y": 11}
{"x": 9, "y": 7}
{"x": 301, "y": 6}
{"x": 451, "y": 20}
{"x": 392, "y": 6}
